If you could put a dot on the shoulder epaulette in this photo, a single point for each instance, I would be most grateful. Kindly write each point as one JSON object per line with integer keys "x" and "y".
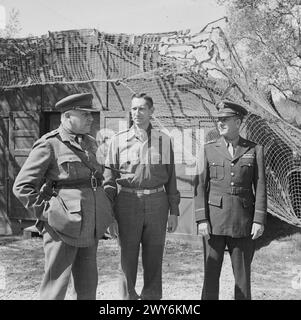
{"x": 51, "y": 134}
{"x": 121, "y": 132}
{"x": 210, "y": 141}
{"x": 249, "y": 143}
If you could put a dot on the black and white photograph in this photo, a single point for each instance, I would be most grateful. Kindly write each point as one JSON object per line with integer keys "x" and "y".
{"x": 150, "y": 150}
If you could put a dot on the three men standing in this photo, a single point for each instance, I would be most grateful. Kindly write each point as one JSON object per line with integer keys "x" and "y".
{"x": 60, "y": 182}
{"x": 148, "y": 192}
{"x": 231, "y": 202}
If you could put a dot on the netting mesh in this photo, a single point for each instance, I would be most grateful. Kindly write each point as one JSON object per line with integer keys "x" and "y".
{"x": 185, "y": 72}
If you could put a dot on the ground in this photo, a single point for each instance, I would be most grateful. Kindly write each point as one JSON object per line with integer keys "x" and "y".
{"x": 276, "y": 268}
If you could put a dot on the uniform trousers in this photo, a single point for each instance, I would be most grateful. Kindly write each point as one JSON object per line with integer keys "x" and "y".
{"x": 241, "y": 251}
{"x": 142, "y": 219}
{"x": 63, "y": 261}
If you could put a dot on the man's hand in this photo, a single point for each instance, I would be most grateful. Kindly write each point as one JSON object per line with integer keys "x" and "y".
{"x": 113, "y": 229}
{"x": 203, "y": 228}
{"x": 257, "y": 230}
{"x": 172, "y": 223}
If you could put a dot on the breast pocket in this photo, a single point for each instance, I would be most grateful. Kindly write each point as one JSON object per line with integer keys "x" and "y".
{"x": 69, "y": 164}
{"x": 217, "y": 170}
{"x": 247, "y": 167}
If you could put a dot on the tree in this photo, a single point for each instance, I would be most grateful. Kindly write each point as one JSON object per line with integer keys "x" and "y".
{"x": 267, "y": 34}
{"x": 12, "y": 27}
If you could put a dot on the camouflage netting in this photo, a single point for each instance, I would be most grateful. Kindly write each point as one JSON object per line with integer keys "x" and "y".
{"x": 186, "y": 73}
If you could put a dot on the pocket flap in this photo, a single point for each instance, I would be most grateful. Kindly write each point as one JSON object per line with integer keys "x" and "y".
{"x": 68, "y": 158}
{"x": 215, "y": 200}
{"x": 73, "y": 205}
{"x": 246, "y": 162}
{"x": 217, "y": 162}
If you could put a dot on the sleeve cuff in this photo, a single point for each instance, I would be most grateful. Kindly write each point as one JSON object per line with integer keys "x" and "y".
{"x": 175, "y": 211}
{"x": 200, "y": 215}
{"x": 260, "y": 217}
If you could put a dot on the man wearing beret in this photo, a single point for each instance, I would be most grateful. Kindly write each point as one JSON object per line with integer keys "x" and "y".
{"x": 231, "y": 202}
{"x": 60, "y": 182}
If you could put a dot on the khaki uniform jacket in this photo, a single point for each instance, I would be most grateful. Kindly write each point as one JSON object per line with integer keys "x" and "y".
{"x": 51, "y": 160}
{"x": 231, "y": 192}
{"x": 146, "y": 164}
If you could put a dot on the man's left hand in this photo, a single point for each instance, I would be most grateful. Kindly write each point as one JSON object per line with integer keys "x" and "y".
{"x": 172, "y": 223}
{"x": 257, "y": 230}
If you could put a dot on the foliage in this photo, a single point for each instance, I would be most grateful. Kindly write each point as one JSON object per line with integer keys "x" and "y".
{"x": 12, "y": 27}
{"x": 267, "y": 34}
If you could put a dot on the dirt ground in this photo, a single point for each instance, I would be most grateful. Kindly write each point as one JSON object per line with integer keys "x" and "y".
{"x": 276, "y": 268}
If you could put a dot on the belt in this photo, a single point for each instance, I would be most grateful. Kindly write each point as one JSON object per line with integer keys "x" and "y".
{"x": 142, "y": 191}
{"x": 232, "y": 190}
{"x": 75, "y": 184}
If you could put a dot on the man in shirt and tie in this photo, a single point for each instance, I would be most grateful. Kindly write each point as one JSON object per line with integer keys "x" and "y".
{"x": 148, "y": 200}
{"x": 60, "y": 183}
{"x": 231, "y": 202}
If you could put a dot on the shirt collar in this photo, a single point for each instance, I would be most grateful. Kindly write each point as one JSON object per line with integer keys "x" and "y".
{"x": 233, "y": 142}
{"x": 132, "y": 133}
{"x": 66, "y": 134}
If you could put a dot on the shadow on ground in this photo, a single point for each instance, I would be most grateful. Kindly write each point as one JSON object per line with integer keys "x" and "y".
{"x": 277, "y": 229}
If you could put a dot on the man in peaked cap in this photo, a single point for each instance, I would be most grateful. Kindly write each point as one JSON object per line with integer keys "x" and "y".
{"x": 228, "y": 212}
{"x": 60, "y": 182}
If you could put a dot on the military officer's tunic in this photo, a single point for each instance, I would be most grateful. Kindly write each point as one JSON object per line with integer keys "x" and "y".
{"x": 51, "y": 160}
{"x": 231, "y": 195}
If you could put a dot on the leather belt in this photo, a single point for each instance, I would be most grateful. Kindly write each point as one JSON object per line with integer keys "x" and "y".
{"x": 233, "y": 190}
{"x": 75, "y": 184}
{"x": 142, "y": 191}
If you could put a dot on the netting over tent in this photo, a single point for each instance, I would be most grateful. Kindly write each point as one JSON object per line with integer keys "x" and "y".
{"x": 185, "y": 72}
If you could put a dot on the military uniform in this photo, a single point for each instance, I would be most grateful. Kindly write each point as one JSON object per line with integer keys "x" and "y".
{"x": 53, "y": 164}
{"x": 148, "y": 192}
{"x": 230, "y": 196}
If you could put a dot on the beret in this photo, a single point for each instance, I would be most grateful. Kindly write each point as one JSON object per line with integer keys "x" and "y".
{"x": 228, "y": 109}
{"x": 78, "y": 101}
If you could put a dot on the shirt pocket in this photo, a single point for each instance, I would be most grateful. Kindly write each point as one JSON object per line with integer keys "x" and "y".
{"x": 69, "y": 164}
{"x": 217, "y": 170}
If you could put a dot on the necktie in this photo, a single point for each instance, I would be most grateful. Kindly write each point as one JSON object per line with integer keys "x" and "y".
{"x": 231, "y": 149}
{"x": 79, "y": 139}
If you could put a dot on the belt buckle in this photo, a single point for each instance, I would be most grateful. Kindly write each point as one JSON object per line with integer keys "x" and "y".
{"x": 140, "y": 192}
{"x": 93, "y": 182}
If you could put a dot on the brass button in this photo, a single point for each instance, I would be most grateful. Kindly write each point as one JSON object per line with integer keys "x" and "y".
{"x": 232, "y": 164}
{"x": 232, "y": 183}
{"x": 232, "y": 174}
